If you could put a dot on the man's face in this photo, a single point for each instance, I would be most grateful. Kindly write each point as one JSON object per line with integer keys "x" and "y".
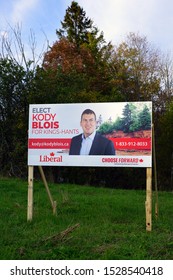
{"x": 88, "y": 124}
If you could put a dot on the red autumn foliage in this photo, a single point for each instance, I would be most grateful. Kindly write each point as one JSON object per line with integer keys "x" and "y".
{"x": 67, "y": 56}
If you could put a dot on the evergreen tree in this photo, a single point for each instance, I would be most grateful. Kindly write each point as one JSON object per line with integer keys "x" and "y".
{"x": 76, "y": 26}
{"x": 127, "y": 118}
{"x": 134, "y": 116}
{"x": 145, "y": 119}
{"x": 81, "y": 51}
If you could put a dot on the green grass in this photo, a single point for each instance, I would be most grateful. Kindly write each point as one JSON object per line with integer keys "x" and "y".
{"x": 111, "y": 224}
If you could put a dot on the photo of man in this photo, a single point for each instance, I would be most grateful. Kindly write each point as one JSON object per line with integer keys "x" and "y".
{"x": 90, "y": 142}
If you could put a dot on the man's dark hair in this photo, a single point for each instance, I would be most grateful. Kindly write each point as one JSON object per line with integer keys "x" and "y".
{"x": 88, "y": 112}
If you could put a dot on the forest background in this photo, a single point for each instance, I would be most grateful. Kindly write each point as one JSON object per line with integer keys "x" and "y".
{"x": 80, "y": 67}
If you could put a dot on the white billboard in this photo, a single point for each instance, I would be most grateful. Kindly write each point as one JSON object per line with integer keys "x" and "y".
{"x": 90, "y": 134}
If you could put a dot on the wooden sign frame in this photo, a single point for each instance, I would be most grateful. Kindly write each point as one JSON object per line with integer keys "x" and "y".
{"x": 148, "y": 202}
{"x": 30, "y": 191}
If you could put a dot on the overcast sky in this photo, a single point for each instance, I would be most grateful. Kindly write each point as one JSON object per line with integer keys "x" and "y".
{"x": 116, "y": 18}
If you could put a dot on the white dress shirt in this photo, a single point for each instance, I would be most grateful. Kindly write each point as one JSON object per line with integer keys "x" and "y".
{"x": 86, "y": 144}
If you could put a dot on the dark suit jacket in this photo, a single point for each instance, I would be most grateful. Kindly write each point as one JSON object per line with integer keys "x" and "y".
{"x": 100, "y": 146}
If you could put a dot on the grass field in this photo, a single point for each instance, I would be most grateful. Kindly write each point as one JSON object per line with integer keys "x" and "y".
{"x": 91, "y": 224}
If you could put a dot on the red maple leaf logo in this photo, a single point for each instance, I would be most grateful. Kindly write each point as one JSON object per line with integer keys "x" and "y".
{"x": 141, "y": 160}
{"x": 52, "y": 154}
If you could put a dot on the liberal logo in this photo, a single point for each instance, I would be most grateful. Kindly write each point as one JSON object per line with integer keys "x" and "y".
{"x": 50, "y": 158}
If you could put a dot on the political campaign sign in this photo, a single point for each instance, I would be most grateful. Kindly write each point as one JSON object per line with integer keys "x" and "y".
{"x": 116, "y": 134}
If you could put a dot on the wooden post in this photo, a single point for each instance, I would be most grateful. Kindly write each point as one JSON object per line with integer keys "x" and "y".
{"x": 30, "y": 192}
{"x": 148, "y": 202}
{"x": 155, "y": 174}
{"x": 53, "y": 203}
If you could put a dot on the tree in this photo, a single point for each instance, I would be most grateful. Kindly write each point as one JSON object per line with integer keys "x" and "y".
{"x": 13, "y": 48}
{"x": 76, "y": 25}
{"x": 17, "y": 85}
{"x": 135, "y": 69}
{"x": 164, "y": 148}
{"x": 105, "y": 128}
{"x": 166, "y": 81}
{"x": 81, "y": 50}
{"x": 145, "y": 119}
{"x": 127, "y": 118}
{"x": 65, "y": 56}
{"x": 13, "y": 115}
{"x": 74, "y": 73}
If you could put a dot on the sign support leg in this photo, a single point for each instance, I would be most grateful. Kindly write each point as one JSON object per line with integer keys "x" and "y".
{"x": 148, "y": 202}
{"x": 155, "y": 175}
{"x": 30, "y": 192}
{"x": 53, "y": 203}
